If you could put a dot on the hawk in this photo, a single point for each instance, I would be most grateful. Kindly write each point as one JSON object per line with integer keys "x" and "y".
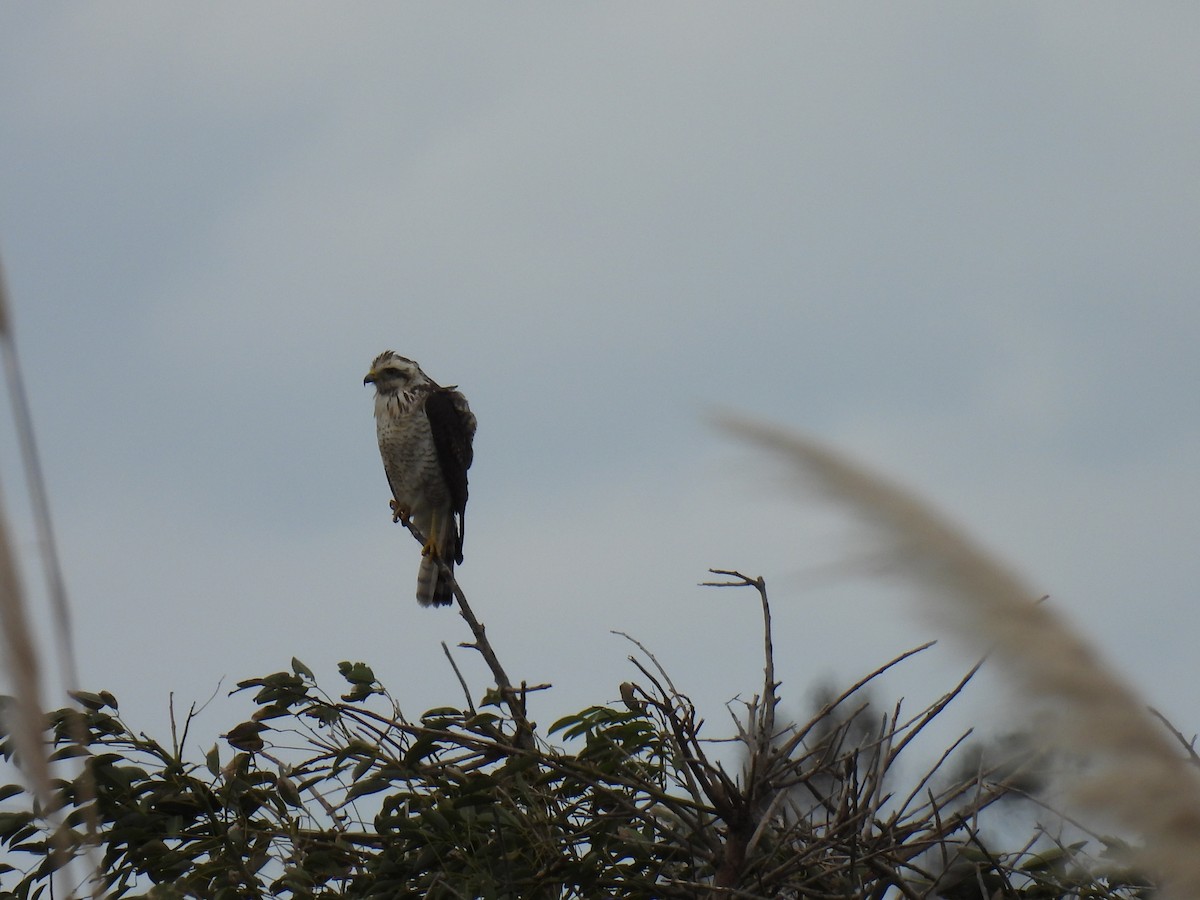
{"x": 425, "y": 433}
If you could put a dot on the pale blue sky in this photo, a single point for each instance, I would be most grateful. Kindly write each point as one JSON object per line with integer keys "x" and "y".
{"x": 957, "y": 239}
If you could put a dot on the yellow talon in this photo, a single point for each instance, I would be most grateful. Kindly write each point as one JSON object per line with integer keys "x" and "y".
{"x": 400, "y": 513}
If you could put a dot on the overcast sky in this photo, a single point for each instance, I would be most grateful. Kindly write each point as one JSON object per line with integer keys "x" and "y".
{"x": 958, "y": 240}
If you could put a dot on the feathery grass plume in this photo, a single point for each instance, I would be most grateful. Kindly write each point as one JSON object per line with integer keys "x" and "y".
{"x": 39, "y": 498}
{"x": 24, "y": 715}
{"x": 5, "y": 322}
{"x": 1136, "y": 775}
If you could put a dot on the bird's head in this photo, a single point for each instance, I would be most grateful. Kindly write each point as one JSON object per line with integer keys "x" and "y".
{"x": 392, "y": 373}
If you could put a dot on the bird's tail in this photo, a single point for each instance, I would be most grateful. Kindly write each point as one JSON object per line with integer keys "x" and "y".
{"x": 433, "y": 587}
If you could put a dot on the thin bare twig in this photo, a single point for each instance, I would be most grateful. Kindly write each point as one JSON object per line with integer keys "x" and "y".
{"x": 829, "y": 707}
{"x": 462, "y": 681}
{"x": 1188, "y": 745}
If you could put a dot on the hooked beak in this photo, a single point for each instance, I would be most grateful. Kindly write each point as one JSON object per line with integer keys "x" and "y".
{"x": 370, "y": 379}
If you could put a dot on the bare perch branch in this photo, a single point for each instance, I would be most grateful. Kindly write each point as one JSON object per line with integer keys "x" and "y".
{"x": 513, "y": 698}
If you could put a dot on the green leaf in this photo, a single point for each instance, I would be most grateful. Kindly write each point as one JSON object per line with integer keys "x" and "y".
{"x": 12, "y": 822}
{"x": 301, "y": 669}
{"x": 323, "y": 713}
{"x": 69, "y": 752}
{"x": 356, "y": 673}
{"x": 212, "y": 759}
{"x": 442, "y": 717}
{"x": 425, "y": 745}
{"x": 371, "y": 785}
{"x": 1053, "y": 857}
{"x": 362, "y": 767}
{"x": 287, "y": 790}
{"x": 88, "y": 700}
{"x": 246, "y": 736}
{"x": 271, "y": 712}
{"x": 564, "y": 722}
{"x": 358, "y": 693}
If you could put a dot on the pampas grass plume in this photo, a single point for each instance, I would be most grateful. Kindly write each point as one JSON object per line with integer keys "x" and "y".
{"x": 1136, "y": 776}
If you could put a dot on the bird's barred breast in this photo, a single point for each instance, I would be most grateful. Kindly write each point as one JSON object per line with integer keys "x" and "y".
{"x": 410, "y": 460}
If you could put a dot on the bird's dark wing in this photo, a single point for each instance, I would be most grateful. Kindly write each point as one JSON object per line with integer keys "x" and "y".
{"x": 453, "y": 429}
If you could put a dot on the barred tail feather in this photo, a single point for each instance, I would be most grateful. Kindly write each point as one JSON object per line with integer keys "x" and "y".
{"x": 433, "y": 588}
{"x": 427, "y": 579}
{"x": 443, "y": 594}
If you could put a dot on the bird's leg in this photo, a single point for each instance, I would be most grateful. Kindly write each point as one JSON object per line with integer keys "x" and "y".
{"x": 400, "y": 513}
{"x": 431, "y": 548}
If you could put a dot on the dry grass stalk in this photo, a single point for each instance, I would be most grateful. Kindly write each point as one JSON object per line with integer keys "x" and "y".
{"x": 22, "y": 652}
{"x": 25, "y": 719}
{"x": 1136, "y": 775}
{"x": 39, "y": 498}
{"x": 24, "y": 715}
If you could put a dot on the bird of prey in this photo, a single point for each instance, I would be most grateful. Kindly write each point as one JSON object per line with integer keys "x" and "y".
{"x": 425, "y": 433}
